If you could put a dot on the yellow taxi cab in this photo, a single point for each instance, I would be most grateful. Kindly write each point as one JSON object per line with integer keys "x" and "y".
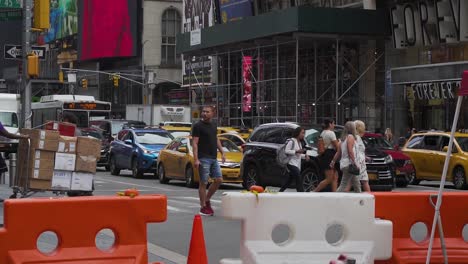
{"x": 175, "y": 162}
{"x": 242, "y": 132}
{"x": 178, "y": 131}
{"x": 427, "y": 152}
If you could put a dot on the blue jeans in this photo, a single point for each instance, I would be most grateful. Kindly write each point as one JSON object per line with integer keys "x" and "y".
{"x": 294, "y": 174}
{"x": 209, "y": 167}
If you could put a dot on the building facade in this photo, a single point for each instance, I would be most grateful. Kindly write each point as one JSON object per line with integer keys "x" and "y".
{"x": 285, "y": 61}
{"x": 425, "y": 59}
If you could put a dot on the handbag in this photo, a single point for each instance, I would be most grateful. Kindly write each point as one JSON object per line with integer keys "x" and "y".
{"x": 353, "y": 169}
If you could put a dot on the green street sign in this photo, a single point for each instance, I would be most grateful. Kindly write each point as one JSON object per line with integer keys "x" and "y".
{"x": 10, "y": 3}
{"x": 10, "y": 15}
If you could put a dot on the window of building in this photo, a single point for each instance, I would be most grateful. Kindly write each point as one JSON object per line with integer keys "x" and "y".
{"x": 171, "y": 26}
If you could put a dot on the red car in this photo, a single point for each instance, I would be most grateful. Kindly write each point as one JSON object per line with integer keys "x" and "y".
{"x": 404, "y": 169}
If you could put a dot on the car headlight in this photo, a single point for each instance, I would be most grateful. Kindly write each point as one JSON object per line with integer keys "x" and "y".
{"x": 147, "y": 151}
{"x": 388, "y": 159}
{"x": 408, "y": 162}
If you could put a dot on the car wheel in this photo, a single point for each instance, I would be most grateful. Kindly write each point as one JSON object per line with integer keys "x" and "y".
{"x": 113, "y": 167}
{"x": 310, "y": 179}
{"x": 459, "y": 179}
{"x": 136, "y": 173}
{"x": 413, "y": 180}
{"x": 162, "y": 174}
{"x": 251, "y": 176}
{"x": 189, "y": 179}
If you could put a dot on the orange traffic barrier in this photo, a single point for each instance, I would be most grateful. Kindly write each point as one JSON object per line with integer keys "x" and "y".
{"x": 410, "y": 210}
{"x": 197, "y": 251}
{"x": 76, "y": 222}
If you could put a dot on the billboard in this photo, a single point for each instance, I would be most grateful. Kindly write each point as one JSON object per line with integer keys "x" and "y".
{"x": 232, "y": 10}
{"x": 197, "y": 14}
{"x": 107, "y": 29}
{"x": 63, "y": 20}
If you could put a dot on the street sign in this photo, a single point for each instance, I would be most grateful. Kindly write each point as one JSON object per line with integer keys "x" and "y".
{"x": 10, "y": 3}
{"x": 10, "y": 15}
{"x": 14, "y": 52}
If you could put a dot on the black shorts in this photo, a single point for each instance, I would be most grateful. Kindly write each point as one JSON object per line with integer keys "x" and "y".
{"x": 326, "y": 158}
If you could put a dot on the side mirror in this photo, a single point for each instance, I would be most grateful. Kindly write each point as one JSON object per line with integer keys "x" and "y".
{"x": 445, "y": 149}
{"x": 128, "y": 142}
{"x": 183, "y": 149}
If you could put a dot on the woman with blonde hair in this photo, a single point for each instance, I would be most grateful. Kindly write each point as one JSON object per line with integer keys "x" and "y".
{"x": 389, "y": 135}
{"x": 361, "y": 155}
{"x": 349, "y": 165}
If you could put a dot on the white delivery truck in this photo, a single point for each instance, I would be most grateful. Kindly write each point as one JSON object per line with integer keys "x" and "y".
{"x": 159, "y": 114}
{"x": 10, "y": 109}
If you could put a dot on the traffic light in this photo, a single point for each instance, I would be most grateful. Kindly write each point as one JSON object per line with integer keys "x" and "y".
{"x": 41, "y": 14}
{"x": 33, "y": 65}
{"x": 61, "y": 76}
{"x": 116, "y": 80}
{"x": 84, "y": 83}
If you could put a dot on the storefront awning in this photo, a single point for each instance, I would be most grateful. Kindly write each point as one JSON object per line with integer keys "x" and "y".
{"x": 320, "y": 21}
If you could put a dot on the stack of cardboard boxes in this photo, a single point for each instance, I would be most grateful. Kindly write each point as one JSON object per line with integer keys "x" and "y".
{"x": 57, "y": 162}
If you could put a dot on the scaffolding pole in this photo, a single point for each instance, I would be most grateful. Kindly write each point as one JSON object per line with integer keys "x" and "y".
{"x": 337, "y": 80}
{"x": 229, "y": 87}
{"x": 277, "y": 81}
{"x": 297, "y": 79}
{"x": 315, "y": 82}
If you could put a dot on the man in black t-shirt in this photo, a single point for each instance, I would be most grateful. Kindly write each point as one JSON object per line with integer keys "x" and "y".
{"x": 205, "y": 144}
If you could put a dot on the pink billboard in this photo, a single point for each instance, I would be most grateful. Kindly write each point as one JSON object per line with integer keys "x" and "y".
{"x": 247, "y": 83}
{"x": 108, "y": 28}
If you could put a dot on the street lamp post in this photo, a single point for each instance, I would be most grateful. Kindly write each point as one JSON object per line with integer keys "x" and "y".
{"x": 143, "y": 79}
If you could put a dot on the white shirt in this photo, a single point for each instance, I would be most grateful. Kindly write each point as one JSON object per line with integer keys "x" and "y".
{"x": 345, "y": 159}
{"x": 328, "y": 137}
{"x": 291, "y": 150}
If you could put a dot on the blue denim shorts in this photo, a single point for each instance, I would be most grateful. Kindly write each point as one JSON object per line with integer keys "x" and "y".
{"x": 209, "y": 167}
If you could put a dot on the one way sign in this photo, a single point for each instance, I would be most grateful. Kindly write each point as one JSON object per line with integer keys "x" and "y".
{"x": 15, "y": 52}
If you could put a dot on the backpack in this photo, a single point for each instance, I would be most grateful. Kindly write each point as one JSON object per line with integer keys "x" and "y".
{"x": 281, "y": 157}
{"x": 320, "y": 146}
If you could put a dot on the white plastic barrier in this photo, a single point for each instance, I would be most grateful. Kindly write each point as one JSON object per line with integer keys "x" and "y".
{"x": 321, "y": 227}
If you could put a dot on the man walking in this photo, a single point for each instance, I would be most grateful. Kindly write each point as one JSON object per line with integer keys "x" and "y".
{"x": 205, "y": 141}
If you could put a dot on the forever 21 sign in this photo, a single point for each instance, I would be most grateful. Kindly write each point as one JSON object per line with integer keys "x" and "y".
{"x": 429, "y": 22}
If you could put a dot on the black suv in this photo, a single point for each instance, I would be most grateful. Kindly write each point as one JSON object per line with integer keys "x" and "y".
{"x": 259, "y": 166}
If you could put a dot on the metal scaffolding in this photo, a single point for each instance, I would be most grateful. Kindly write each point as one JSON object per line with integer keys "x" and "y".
{"x": 299, "y": 79}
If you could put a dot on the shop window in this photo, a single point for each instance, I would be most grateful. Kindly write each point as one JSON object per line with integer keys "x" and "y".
{"x": 171, "y": 26}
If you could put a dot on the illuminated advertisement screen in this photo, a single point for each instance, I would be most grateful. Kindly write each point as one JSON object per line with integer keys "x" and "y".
{"x": 63, "y": 20}
{"x": 108, "y": 28}
{"x": 232, "y": 10}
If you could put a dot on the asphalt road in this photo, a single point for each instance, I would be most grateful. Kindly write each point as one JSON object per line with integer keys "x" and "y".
{"x": 169, "y": 241}
{"x": 222, "y": 236}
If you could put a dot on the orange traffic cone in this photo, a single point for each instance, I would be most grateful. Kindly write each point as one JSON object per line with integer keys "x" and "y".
{"x": 197, "y": 251}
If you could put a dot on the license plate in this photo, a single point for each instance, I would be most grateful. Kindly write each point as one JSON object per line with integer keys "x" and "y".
{"x": 232, "y": 175}
{"x": 372, "y": 176}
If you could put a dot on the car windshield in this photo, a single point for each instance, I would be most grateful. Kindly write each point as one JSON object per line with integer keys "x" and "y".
{"x": 9, "y": 119}
{"x": 463, "y": 143}
{"x": 180, "y": 133}
{"x": 228, "y": 146}
{"x": 377, "y": 142}
{"x": 311, "y": 136}
{"x": 151, "y": 138}
{"x": 93, "y": 134}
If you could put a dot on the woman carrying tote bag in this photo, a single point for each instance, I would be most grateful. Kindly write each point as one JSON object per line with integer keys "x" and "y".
{"x": 348, "y": 163}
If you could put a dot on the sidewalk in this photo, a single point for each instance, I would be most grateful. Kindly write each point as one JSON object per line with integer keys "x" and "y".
{"x": 50, "y": 241}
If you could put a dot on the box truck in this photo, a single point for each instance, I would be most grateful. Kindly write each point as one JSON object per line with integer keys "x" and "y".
{"x": 159, "y": 114}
